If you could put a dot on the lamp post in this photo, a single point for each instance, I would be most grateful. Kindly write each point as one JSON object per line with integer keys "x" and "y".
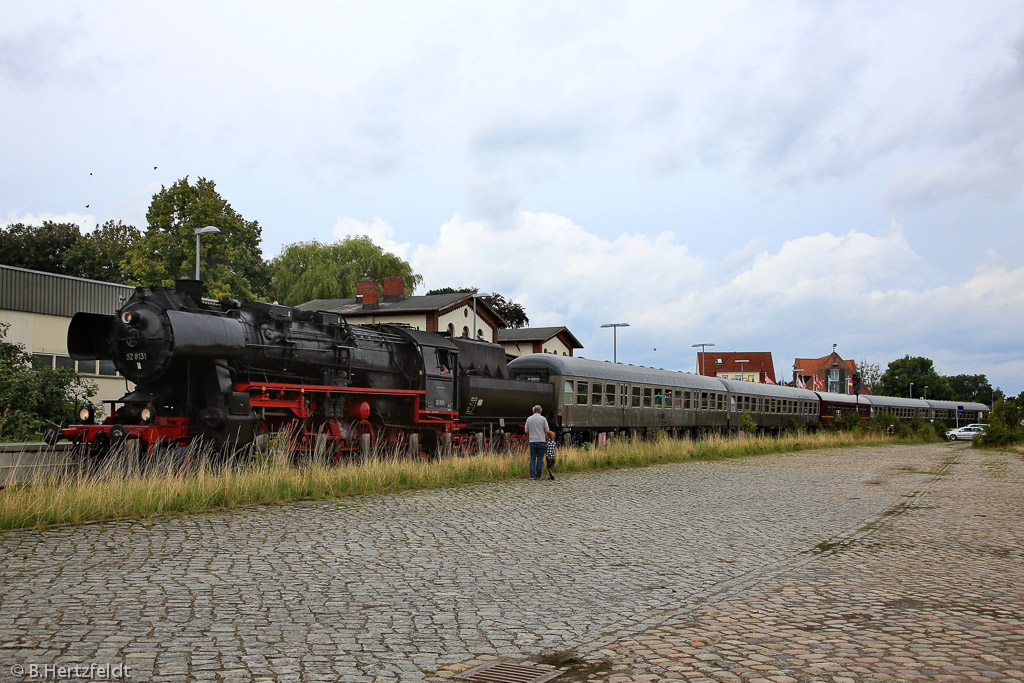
{"x": 475, "y": 295}
{"x": 795, "y": 371}
{"x": 742, "y": 363}
{"x": 615, "y": 338}
{"x": 926, "y": 392}
{"x": 208, "y": 230}
{"x": 701, "y": 345}
{"x": 911, "y": 390}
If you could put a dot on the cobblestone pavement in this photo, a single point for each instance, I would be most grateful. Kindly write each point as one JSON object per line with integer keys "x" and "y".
{"x": 851, "y": 564}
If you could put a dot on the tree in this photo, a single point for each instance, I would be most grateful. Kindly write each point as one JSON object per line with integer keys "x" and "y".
{"x": 231, "y": 261}
{"x": 31, "y": 397}
{"x": 915, "y": 370}
{"x": 38, "y": 248}
{"x": 512, "y": 313}
{"x": 312, "y": 270}
{"x": 100, "y": 253}
{"x": 870, "y": 374}
{"x": 971, "y": 388}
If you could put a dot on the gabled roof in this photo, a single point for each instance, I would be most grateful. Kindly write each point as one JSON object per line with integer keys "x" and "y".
{"x": 760, "y": 361}
{"x": 809, "y": 367}
{"x": 410, "y": 304}
{"x": 537, "y": 334}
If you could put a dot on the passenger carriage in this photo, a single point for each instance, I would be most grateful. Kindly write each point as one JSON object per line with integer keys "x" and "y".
{"x": 599, "y": 396}
{"x": 771, "y": 406}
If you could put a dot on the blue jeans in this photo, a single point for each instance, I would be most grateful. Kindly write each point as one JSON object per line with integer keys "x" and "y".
{"x": 536, "y": 459}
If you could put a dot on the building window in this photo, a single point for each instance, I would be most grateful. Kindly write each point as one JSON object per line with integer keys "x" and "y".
{"x": 107, "y": 368}
{"x": 451, "y": 330}
{"x": 65, "y": 362}
{"x": 41, "y": 361}
{"x": 465, "y": 332}
{"x": 87, "y": 367}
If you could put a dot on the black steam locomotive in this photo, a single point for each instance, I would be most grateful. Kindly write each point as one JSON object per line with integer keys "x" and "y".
{"x": 233, "y": 374}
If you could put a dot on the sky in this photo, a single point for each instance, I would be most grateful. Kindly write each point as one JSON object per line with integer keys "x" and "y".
{"x": 778, "y": 176}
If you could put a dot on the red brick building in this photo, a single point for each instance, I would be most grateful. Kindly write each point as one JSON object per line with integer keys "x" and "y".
{"x": 828, "y": 373}
{"x": 750, "y": 366}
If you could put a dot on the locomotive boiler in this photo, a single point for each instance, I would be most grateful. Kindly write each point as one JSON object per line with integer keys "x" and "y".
{"x": 230, "y": 374}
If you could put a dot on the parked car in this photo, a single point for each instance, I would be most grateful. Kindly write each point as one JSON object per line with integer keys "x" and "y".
{"x": 983, "y": 425}
{"x": 964, "y": 433}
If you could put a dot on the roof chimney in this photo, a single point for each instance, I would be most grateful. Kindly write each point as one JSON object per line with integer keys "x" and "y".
{"x": 368, "y": 289}
{"x": 394, "y": 288}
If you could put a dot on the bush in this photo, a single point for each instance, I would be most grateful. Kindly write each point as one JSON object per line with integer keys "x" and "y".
{"x": 1004, "y": 425}
{"x": 747, "y": 424}
{"x": 31, "y": 397}
{"x": 850, "y": 422}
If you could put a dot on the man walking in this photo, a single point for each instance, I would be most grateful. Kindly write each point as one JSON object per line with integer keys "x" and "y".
{"x": 536, "y": 426}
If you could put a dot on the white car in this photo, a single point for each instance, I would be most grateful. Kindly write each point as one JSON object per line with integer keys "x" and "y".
{"x": 964, "y": 433}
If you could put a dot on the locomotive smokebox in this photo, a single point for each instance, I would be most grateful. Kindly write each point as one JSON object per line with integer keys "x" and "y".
{"x": 88, "y": 336}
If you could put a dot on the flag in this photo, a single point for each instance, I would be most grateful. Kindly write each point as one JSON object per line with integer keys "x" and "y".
{"x": 818, "y": 384}
{"x": 768, "y": 380}
{"x": 800, "y": 382}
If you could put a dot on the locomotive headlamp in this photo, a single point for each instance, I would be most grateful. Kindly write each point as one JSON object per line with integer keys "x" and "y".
{"x": 127, "y": 317}
{"x": 85, "y": 414}
{"x": 147, "y": 414}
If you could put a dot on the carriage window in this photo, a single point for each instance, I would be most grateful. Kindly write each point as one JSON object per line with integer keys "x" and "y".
{"x": 659, "y": 398}
{"x": 569, "y": 400}
{"x": 636, "y": 397}
{"x": 671, "y": 401}
{"x": 595, "y": 396}
{"x": 647, "y": 397}
{"x": 703, "y": 400}
{"x": 624, "y": 395}
{"x": 688, "y": 400}
{"x": 721, "y": 402}
{"x": 581, "y": 393}
{"x": 609, "y": 395}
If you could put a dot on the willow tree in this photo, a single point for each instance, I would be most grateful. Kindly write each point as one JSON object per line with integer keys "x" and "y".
{"x": 313, "y": 270}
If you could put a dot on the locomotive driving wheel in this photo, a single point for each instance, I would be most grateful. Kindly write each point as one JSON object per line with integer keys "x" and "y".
{"x": 361, "y": 449}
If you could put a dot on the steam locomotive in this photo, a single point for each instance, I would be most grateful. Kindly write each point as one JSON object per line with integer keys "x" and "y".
{"x": 232, "y": 374}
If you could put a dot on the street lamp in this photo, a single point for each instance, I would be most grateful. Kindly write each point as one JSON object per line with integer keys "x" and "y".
{"x": 701, "y": 345}
{"x": 911, "y": 390}
{"x": 208, "y": 230}
{"x": 615, "y": 338}
{"x": 475, "y": 295}
{"x": 742, "y": 362}
{"x": 926, "y": 392}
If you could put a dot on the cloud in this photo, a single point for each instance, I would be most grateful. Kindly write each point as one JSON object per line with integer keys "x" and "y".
{"x": 872, "y": 294}
{"x": 380, "y": 232}
{"x": 85, "y": 222}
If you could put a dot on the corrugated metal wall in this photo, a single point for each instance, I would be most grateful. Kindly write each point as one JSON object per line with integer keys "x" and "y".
{"x": 35, "y": 292}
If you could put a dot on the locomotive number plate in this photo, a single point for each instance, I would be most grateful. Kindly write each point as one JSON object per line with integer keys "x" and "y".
{"x": 135, "y": 356}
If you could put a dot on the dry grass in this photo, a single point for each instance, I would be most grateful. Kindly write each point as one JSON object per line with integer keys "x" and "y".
{"x": 121, "y": 490}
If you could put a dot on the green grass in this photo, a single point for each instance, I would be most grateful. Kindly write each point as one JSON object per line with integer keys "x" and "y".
{"x": 120, "y": 491}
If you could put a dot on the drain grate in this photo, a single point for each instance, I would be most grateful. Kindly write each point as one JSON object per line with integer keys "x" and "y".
{"x": 501, "y": 672}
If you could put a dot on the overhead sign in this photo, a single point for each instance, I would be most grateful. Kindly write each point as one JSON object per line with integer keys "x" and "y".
{"x": 960, "y": 410}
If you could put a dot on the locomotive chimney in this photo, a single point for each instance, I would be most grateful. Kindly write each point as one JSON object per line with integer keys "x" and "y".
{"x": 394, "y": 288}
{"x": 368, "y": 289}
